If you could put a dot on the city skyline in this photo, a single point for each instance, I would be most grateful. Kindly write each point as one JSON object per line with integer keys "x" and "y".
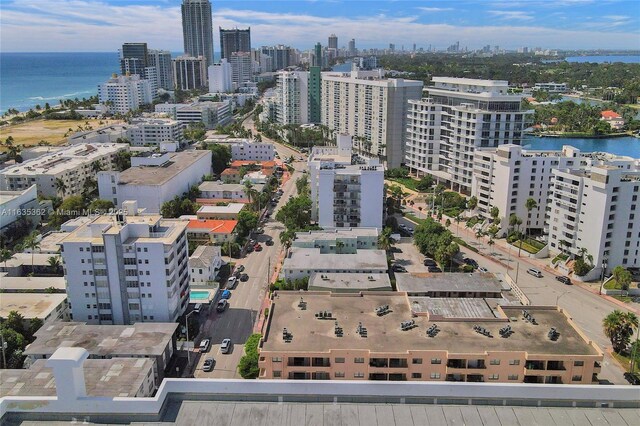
{"x": 103, "y": 25}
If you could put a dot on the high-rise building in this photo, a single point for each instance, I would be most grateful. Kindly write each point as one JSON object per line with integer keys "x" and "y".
{"x": 190, "y": 73}
{"x": 371, "y": 108}
{"x": 281, "y": 56}
{"x": 292, "y": 98}
{"x": 459, "y": 115}
{"x": 197, "y": 29}
{"x": 333, "y": 42}
{"x": 315, "y": 91}
{"x": 234, "y": 40}
{"x": 352, "y": 47}
{"x": 161, "y": 60}
{"x": 220, "y": 77}
{"x": 241, "y": 68}
{"x": 125, "y": 93}
{"x": 133, "y": 59}
{"x": 345, "y": 192}
{"x": 125, "y": 269}
{"x": 317, "y": 55}
{"x": 261, "y": 62}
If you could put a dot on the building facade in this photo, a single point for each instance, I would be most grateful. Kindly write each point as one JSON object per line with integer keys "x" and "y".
{"x": 133, "y": 59}
{"x": 154, "y": 131}
{"x": 190, "y": 72}
{"x": 125, "y": 93}
{"x": 125, "y": 269}
{"x": 197, "y": 29}
{"x": 370, "y": 108}
{"x": 234, "y": 40}
{"x": 333, "y": 42}
{"x": 292, "y": 97}
{"x": 220, "y": 80}
{"x": 241, "y": 68}
{"x": 204, "y": 263}
{"x": 458, "y": 116}
{"x": 161, "y": 61}
{"x": 252, "y": 151}
{"x": 314, "y": 95}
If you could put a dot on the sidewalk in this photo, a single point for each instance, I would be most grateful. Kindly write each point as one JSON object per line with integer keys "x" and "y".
{"x": 266, "y": 302}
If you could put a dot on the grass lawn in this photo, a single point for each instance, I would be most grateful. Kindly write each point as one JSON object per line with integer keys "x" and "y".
{"x": 625, "y": 362}
{"x": 52, "y": 131}
{"x": 561, "y": 256}
{"x": 612, "y": 284}
{"x": 528, "y": 246}
{"x": 407, "y": 182}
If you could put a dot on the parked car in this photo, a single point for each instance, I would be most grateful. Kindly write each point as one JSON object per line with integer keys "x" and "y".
{"x": 434, "y": 269}
{"x": 269, "y": 242}
{"x": 225, "y": 294}
{"x": 483, "y": 269}
{"x": 208, "y": 365}
{"x": 259, "y": 231}
{"x": 244, "y": 278}
{"x": 470, "y": 262}
{"x": 534, "y": 272}
{"x": 225, "y": 347}
{"x": 633, "y": 378}
{"x": 240, "y": 268}
{"x": 205, "y": 345}
{"x": 257, "y": 247}
{"x": 197, "y": 308}
{"x": 231, "y": 283}
{"x": 429, "y": 262}
{"x": 398, "y": 268}
{"x": 222, "y": 305}
{"x": 564, "y": 280}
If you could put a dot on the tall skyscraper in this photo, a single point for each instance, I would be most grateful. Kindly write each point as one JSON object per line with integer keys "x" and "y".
{"x": 352, "y": 47}
{"x": 281, "y": 56}
{"x": 315, "y": 89}
{"x": 220, "y": 77}
{"x": 333, "y": 41}
{"x": 190, "y": 73}
{"x": 234, "y": 40}
{"x": 133, "y": 59}
{"x": 161, "y": 60}
{"x": 317, "y": 55}
{"x": 241, "y": 67}
{"x": 197, "y": 29}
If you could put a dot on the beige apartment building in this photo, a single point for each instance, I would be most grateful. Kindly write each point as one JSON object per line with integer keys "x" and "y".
{"x": 329, "y": 336}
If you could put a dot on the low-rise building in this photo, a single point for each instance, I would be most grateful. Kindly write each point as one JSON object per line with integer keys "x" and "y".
{"x": 211, "y": 231}
{"x": 204, "y": 263}
{"x": 22, "y": 264}
{"x": 61, "y": 173}
{"x": 156, "y": 341}
{"x": 227, "y": 212}
{"x": 105, "y": 134}
{"x": 212, "y": 114}
{"x": 346, "y": 191}
{"x": 116, "y": 377}
{"x": 349, "y": 282}
{"x": 303, "y": 262}
{"x": 252, "y": 151}
{"x": 551, "y": 87}
{"x": 452, "y": 285}
{"x": 338, "y": 240}
{"x": 155, "y": 132}
{"x": 614, "y": 119}
{"x": 32, "y": 284}
{"x": 155, "y": 179}
{"x": 375, "y": 336}
{"x": 47, "y": 307}
{"x": 20, "y": 205}
{"x": 238, "y": 169}
{"x": 225, "y": 192}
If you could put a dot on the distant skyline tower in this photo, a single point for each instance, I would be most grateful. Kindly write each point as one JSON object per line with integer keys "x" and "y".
{"x": 352, "y": 47}
{"x": 317, "y": 55}
{"x": 234, "y": 40}
{"x": 133, "y": 58}
{"x": 197, "y": 29}
{"x": 333, "y": 41}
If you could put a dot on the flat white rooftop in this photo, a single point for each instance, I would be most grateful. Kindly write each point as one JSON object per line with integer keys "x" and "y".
{"x": 30, "y": 305}
{"x": 310, "y": 259}
{"x": 231, "y": 208}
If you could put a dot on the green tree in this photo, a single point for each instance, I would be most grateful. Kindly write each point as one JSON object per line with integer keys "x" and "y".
{"x": 15, "y": 345}
{"x": 70, "y": 208}
{"x": 622, "y": 276}
{"x": 618, "y": 327}
{"x": 247, "y": 221}
{"x": 5, "y": 255}
{"x": 495, "y": 214}
{"x": 248, "y": 366}
{"x": 32, "y": 242}
{"x": 296, "y": 213}
{"x": 54, "y": 263}
{"x": 530, "y": 204}
{"x": 384, "y": 239}
{"x": 100, "y": 206}
{"x": 220, "y": 157}
{"x": 425, "y": 183}
{"x": 302, "y": 185}
{"x": 61, "y": 187}
{"x": 122, "y": 160}
{"x": 472, "y": 203}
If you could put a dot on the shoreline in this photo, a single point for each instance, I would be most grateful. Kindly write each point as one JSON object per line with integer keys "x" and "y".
{"x": 580, "y": 136}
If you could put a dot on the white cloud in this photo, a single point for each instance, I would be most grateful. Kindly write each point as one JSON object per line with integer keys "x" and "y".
{"x": 81, "y": 25}
{"x": 512, "y": 15}
{"x": 434, "y": 9}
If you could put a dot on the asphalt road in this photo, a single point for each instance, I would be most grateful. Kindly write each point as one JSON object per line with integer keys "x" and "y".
{"x": 587, "y": 309}
{"x": 238, "y": 320}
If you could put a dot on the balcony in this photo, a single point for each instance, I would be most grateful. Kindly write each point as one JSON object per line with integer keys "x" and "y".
{"x": 320, "y": 362}
{"x": 457, "y": 363}
{"x": 555, "y": 365}
{"x": 535, "y": 365}
{"x": 298, "y": 362}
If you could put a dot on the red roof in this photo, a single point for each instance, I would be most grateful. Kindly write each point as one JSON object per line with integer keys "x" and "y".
{"x": 264, "y": 164}
{"x": 608, "y": 114}
{"x": 213, "y": 225}
{"x": 228, "y": 171}
{"x": 214, "y": 201}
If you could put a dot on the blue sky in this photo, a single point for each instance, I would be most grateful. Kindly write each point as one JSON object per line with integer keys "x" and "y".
{"x": 103, "y": 25}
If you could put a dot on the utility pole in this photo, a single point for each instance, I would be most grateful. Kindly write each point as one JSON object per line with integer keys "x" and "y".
{"x": 4, "y": 347}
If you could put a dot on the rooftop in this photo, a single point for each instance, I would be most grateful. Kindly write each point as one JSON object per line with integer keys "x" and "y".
{"x": 349, "y": 282}
{"x": 384, "y": 334}
{"x": 229, "y": 208}
{"x": 39, "y": 284}
{"x": 449, "y": 282}
{"x": 459, "y": 307}
{"x": 203, "y": 256}
{"x": 61, "y": 161}
{"x": 213, "y": 225}
{"x": 310, "y": 258}
{"x": 336, "y": 233}
{"x": 236, "y": 164}
{"x": 49, "y": 243}
{"x": 20, "y": 259}
{"x": 608, "y": 114}
{"x": 156, "y": 176}
{"x": 147, "y": 338}
{"x": 30, "y": 305}
{"x": 221, "y": 186}
{"x": 115, "y": 377}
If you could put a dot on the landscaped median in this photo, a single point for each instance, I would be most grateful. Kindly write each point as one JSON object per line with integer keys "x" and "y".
{"x": 529, "y": 245}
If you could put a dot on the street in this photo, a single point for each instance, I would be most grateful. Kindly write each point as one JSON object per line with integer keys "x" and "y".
{"x": 237, "y": 321}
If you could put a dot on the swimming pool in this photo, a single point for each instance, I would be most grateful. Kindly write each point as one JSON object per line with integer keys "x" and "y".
{"x": 200, "y": 295}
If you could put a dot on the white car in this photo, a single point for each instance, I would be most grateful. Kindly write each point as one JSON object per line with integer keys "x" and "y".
{"x": 204, "y": 345}
{"x": 225, "y": 346}
{"x": 231, "y": 283}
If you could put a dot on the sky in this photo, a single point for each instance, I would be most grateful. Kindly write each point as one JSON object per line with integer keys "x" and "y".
{"x": 103, "y": 25}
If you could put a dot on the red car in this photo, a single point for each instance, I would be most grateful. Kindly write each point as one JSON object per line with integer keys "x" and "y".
{"x": 257, "y": 247}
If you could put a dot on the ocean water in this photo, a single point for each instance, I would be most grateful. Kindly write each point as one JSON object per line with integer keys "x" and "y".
{"x": 629, "y": 59}
{"x": 628, "y": 145}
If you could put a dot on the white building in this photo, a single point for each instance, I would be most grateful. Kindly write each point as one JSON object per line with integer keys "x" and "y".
{"x": 220, "y": 77}
{"x": 190, "y": 73}
{"x": 125, "y": 269}
{"x": 241, "y": 68}
{"x": 304, "y": 262}
{"x": 551, "y": 87}
{"x": 225, "y": 191}
{"x": 507, "y": 176}
{"x": 61, "y": 173}
{"x": 338, "y": 240}
{"x": 346, "y": 191}
{"x": 596, "y": 209}
{"x": 292, "y": 97}
{"x": 20, "y": 204}
{"x": 154, "y": 131}
{"x": 458, "y": 116}
{"x": 212, "y": 114}
{"x": 371, "y": 108}
{"x": 252, "y": 151}
{"x": 161, "y": 60}
{"x": 155, "y": 179}
{"x": 125, "y": 93}
{"x": 204, "y": 264}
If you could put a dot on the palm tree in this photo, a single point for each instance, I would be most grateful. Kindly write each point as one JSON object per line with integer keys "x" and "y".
{"x": 491, "y": 242}
{"x": 32, "y": 242}
{"x": 384, "y": 239}
{"x": 479, "y": 234}
{"x": 339, "y": 247}
{"x": 530, "y": 204}
{"x": 5, "y": 255}
{"x": 54, "y": 262}
{"x": 61, "y": 187}
{"x": 96, "y": 166}
{"x": 457, "y": 218}
{"x": 618, "y": 327}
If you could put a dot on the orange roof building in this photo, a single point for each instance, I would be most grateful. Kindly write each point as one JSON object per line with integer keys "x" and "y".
{"x": 614, "y": 119}
{"x": 211, "y": 230}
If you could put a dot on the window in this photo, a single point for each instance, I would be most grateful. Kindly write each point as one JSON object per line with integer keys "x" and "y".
{"x": 494, "y": 376}
{"x": 514, "y": 362}
{"x": 436, "y": 361}
{"x": 578, "y": 363}
{"x": 277, "y": 374}
{"x": 276, "y": 359}
{"x": 339, "y": 360}
{"x": 512, "y": 377}
{"x": 435, "y": 375}
{"x": 416, "y": 375}
{"x": 339, "y": 374}
{"x": 576, "y": 378}
{"x": 358, "y": 375}
{"x": 494, "y": 362}
{"x": 359, "y": 361}
{"x": 416, "y": 361}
